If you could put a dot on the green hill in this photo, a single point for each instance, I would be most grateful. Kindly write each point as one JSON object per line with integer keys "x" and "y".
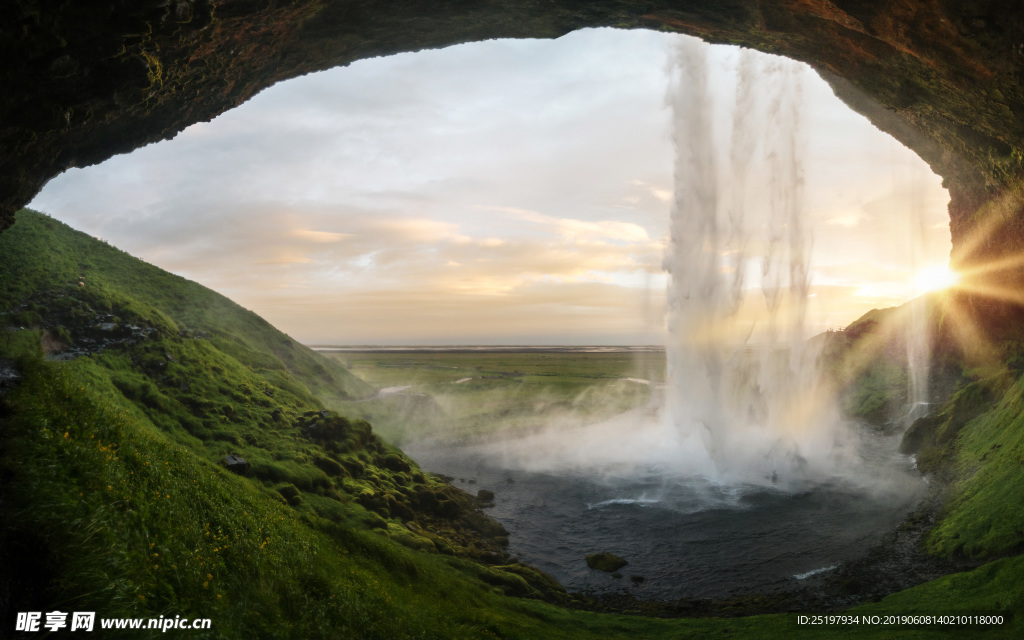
{"x": 113, "y": 279}
{"x": 125, "y": 395}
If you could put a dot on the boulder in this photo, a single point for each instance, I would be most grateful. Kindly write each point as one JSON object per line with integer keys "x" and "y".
{"x": 236, "y": 464}
{"x": 607, "y": 562}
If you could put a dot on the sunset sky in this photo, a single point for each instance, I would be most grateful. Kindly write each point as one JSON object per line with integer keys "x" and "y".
{"x": 504, "y": 192}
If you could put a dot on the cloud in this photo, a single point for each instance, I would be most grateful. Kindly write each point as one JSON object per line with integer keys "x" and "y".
{"x": 318, "y": 236}
{"x": 542, "y": 313}
{"x": 850, "y": 220}
{"x": 578, "y": 230}
{"x": 661, "y": 193}
{"x": 495, "y": 191}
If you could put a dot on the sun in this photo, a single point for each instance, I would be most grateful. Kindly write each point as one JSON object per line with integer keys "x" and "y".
{"x": 934, "y": 278}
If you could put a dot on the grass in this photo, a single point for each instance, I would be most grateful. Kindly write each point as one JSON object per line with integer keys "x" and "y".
{"x": 143, "y": 293}
{"x": 985, "y": 517}
{"x": 114, "y": 499}
{"x": 476, "y": 393}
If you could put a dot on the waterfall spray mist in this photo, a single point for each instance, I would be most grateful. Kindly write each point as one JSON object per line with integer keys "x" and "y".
{"x": 749, "y": 394}
{"x": 743, "y": 407}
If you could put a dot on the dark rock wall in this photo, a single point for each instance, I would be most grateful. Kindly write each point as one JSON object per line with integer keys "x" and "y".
{"x": 84, "y": 80}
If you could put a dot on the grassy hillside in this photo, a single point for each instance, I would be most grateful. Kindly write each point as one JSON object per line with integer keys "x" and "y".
{"x": 120, "y": 398}
{"x": 141, "y": 292}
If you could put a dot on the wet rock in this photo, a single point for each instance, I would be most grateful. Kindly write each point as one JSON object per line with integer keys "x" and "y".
{"x": 9, "y": 375}
{"x": 485, "y": 497}
{"x": 236, "y": 464}
{"x": 607, "y": 562}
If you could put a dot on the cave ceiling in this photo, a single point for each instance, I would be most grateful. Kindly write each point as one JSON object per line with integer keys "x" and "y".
{"x": 87, "y": 80}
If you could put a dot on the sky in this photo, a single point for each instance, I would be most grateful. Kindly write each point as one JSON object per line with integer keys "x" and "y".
{"x": 500, "y": 192}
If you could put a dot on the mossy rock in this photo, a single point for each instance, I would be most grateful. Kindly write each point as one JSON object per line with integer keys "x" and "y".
{"x": 362, "y": 431}
{"x": 509, "y": 583}
{"x": 550, "y": 588}
{"x": 292, "y": 494}
{"x": 372, "y": 501}
{"x": 354, "y": 467}
{"x": 485, "y": 525}
{"x": 326, "y": 427}
{"x": 607, "y": 562}
{"x": 329, "y": 466}
{"x": 395, "y": 462}
{"x": 400, "y": 510}
{"x": 410, "y": 539}
{"x": 374, "y": 521}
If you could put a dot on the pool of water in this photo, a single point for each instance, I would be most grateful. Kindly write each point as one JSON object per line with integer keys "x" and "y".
{"x": 687, "y": 536}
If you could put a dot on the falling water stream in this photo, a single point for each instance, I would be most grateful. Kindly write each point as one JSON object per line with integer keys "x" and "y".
{"x": 747, "y": 390}
{"x": 740, "y": 475}
{"x": 917, "y": 329}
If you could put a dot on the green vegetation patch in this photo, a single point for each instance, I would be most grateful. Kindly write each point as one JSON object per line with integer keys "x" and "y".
{"x": 45, "y": 266}
{"x": 457, "y": 394}
{"x": 985, "y": 516}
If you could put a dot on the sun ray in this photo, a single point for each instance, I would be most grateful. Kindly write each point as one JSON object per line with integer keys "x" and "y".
{"x": 993, "y": 291}
{"x": 977, "y": 349}
{"x": 867, "y": 346}
{"x": 988, "y": 223}
{"x": 998, "y": 265}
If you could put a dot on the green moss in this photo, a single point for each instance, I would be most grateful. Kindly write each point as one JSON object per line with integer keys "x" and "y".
{"x": 985, "y": 517}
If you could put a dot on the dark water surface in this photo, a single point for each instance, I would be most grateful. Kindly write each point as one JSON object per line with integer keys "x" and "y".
{"x": 687, "y": 537}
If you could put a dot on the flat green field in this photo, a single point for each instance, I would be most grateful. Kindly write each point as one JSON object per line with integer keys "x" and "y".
{"x": 468, "y": 393}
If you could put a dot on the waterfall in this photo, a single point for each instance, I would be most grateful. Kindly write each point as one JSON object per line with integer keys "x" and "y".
{"x": 742, "y": 378}
{"x": 917, "y": 329}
